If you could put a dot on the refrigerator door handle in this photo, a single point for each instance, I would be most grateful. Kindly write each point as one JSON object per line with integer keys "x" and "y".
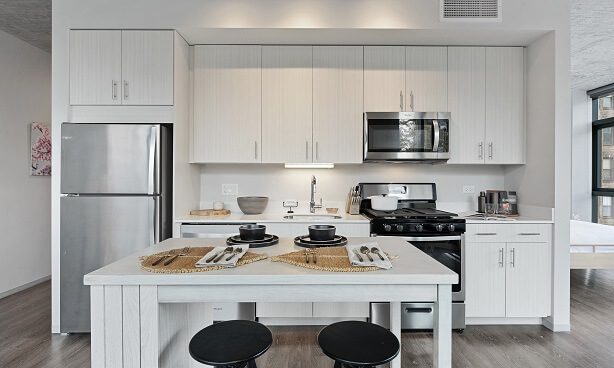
{"x": 155, "y": 229}
{"x": 152, "y": 187}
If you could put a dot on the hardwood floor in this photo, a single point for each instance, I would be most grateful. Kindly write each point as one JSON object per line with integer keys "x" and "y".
{"x": 25, "y": 340}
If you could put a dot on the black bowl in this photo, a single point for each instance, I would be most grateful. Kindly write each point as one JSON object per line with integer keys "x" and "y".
{"x": 322, "y": 232}
{"x": 252, "y": 232}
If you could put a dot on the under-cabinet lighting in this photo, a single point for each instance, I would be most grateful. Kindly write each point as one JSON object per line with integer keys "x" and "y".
{"x": 309, "y": 166}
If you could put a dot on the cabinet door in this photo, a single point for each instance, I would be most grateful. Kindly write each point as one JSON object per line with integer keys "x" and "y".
{"x": 426, "y": 78}
{"x": 505, "y": 128}
{"x": 341, "y": 310}
{"x": 284, "y": 310}
{"x": 287, "y": 104}
{"x": 528, "y": 280}
{"x": 466, "y": 102}
{"x": 485, "y": 279}
{"x": 337, "y": 104}
{"x": 147, "y": 67}
{"x": 227, "y": 104}
{"x": 95, "y": 67}
{"x": 384, "y": 72}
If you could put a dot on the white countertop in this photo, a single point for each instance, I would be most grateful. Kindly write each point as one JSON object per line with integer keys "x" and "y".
{"x": 506, "y": 220}
{"x": 590, "y": 234}
{"x": 412, "y": 266}
{"x": 238, "y": 217}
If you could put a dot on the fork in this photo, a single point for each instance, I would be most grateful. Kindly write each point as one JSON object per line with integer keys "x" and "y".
{"x": 184, "y": 251}
{"x": 169, "y": 254}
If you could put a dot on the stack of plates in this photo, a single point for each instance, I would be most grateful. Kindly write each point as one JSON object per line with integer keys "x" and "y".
{"x": 266, "y": 242}
{"x": 305, "y": 241}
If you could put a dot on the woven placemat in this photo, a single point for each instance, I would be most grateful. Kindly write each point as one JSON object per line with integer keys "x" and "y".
{"x": 333, "y": 259}
{"x": 187, "y": 263}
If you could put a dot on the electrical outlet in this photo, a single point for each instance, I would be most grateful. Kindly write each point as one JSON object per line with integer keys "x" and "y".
{"x": 230, "y": 189}
{"x": 469, "y": 189}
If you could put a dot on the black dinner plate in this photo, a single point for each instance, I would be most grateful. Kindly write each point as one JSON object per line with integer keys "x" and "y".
{"x": 305, "y": 241}
{"x": 266, "y": 242}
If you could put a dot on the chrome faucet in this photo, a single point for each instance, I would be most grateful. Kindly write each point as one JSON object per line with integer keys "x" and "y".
{"x": 312, "y": 203}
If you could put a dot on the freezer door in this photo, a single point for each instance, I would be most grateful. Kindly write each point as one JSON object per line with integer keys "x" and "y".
{"x": 110, "y": 158}
{"x": 96, "y": 231}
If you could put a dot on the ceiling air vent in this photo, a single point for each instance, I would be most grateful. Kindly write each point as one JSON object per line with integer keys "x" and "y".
{"x": 471, "y": 10}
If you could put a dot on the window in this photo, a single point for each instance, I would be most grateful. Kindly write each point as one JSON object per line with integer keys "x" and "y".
{"x": 603, "y": 154}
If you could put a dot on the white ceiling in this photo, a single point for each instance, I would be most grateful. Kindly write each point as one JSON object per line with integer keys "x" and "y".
{"x": 592, "y": 43}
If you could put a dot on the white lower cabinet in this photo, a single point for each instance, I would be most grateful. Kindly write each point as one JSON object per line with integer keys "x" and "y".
{"x": 508, "y": 278}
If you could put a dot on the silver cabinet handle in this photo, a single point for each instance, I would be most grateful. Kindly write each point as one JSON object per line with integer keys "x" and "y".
{"x": 528, "y": 234}
{"x": 490, "y": 150}
{"x": 411, "y": 100}
{"x": 317, "y": 149}
{"x": 481, "y": 152}
{"x": 255, "y": 150}
{"x": 483, "y": 234}
{"x": 114, "y": 89}
{"x": 125, "y": 90}
{"x": 501, "y": 263}
{"x": 306, "y": 150}
{"x": 401, "y": 100}
{"x": 513, "y": 260}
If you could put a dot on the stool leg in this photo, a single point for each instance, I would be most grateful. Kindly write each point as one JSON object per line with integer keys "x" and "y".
{"x": 251, "y": 364}
{"x": 338, "y": 365}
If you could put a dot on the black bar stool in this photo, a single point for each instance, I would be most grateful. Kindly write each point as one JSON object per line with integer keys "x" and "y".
{"x": 353, "y": 344}
{"x": 231, "y": 344}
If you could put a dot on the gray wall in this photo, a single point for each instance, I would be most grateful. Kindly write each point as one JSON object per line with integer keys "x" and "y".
{"x": 582, "y": 161}
{"x": 25, "y": 213}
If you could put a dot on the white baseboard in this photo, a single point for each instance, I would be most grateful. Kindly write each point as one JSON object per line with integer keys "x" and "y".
{"x": 559, "y": 327}
{"x": 503, "y": 321}
{"x": 304, "y": 321}
{"x": 12, "y": 291}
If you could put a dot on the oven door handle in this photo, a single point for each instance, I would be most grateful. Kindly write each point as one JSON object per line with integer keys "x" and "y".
{"x": 435, "y": 136}
{"x": 424, "y": 238}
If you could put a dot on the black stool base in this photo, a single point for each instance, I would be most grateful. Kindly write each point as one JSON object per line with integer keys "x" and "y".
{"x": 341, "y": 365}
{"x": 250, "y": 364}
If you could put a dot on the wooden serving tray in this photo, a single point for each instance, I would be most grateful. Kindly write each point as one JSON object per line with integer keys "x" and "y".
{"x": 210, "y": 212}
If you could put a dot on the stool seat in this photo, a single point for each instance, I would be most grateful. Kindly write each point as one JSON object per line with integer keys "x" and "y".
{"x": 358, "y": 344}
{"x": 230, "y": 343}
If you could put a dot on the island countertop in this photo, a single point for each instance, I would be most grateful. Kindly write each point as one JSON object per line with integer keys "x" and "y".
{"x": 410, "y": 266}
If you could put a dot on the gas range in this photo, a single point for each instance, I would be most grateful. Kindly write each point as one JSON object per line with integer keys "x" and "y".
{"x": 416, "y": 214}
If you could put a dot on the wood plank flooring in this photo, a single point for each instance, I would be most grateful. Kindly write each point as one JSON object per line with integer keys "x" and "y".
{"x": 25, "y": 340}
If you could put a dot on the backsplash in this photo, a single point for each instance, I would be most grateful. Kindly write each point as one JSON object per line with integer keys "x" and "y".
{"x": 279, "y": 184}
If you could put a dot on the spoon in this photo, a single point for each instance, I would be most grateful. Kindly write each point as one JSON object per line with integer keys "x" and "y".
{"x": 237, "y": 251}
{"x": 219, "y": 256}
{"x": 374, "y": 250}
{"x": 365, "y": 250}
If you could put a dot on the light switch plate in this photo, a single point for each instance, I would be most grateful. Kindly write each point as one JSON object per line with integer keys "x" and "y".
{"x": 230, "y": 189}
{"x": 468, "y": 189}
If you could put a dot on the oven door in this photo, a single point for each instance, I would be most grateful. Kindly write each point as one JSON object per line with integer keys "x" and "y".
{"x": 449, "y": 251}
{"x": 406, "y": 137}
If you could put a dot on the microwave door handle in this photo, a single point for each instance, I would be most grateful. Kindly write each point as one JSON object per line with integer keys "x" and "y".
{"x": 435, "y": 135}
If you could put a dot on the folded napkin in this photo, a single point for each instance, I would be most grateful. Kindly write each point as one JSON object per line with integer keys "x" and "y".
{"x": 352, "y": 249}
{"x": 223, "y": 260}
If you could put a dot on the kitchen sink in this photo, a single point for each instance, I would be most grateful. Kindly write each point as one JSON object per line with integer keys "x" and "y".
{"x": 312, "y": 217}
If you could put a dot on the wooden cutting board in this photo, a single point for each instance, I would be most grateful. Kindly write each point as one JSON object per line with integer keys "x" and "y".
{"x": 210, "y": 212}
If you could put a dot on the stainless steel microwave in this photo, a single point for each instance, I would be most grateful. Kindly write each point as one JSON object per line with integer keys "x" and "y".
{"x": 422, "y": 137}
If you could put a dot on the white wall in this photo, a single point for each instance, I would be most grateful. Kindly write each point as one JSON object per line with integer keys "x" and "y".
{"x": 281, "y": 184}
{"x": 25, "y": 216}
{"x": 581, "y": 185}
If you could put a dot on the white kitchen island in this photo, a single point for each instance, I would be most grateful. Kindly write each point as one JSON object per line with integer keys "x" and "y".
{"x": 143, "y": 319}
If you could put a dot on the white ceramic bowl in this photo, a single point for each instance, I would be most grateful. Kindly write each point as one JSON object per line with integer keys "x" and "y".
{"x": 384, "y": 203}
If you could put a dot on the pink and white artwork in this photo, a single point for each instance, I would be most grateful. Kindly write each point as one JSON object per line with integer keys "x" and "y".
{"x": 40, "y": 147}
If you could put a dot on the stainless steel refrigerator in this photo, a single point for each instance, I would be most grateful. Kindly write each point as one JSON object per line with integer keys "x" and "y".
{"x": 116, "y": 184}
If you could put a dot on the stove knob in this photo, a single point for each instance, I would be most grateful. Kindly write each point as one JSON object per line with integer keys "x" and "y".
{"x": 400, "y": 228}
{"x": 451, "y": 227}
{"x": 419, "y": 227}
{"x": 439, "y": 227}
{"x": 387, "y": 227}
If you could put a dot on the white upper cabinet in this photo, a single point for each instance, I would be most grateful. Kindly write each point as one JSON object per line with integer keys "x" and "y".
{"x": 95, "y": 67}
{"x": 147, "y": 67}
{"x": 287, "y": 89}
{"x": 384, "y": 73}
{"x": 426, "y": 82}
{"x": 505, "y": 127}
{"x": 227, "y": 108}
{"x": 337, "y": 103}
{"x": 466, "y": 103}
{"x": 121, "y": 67}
